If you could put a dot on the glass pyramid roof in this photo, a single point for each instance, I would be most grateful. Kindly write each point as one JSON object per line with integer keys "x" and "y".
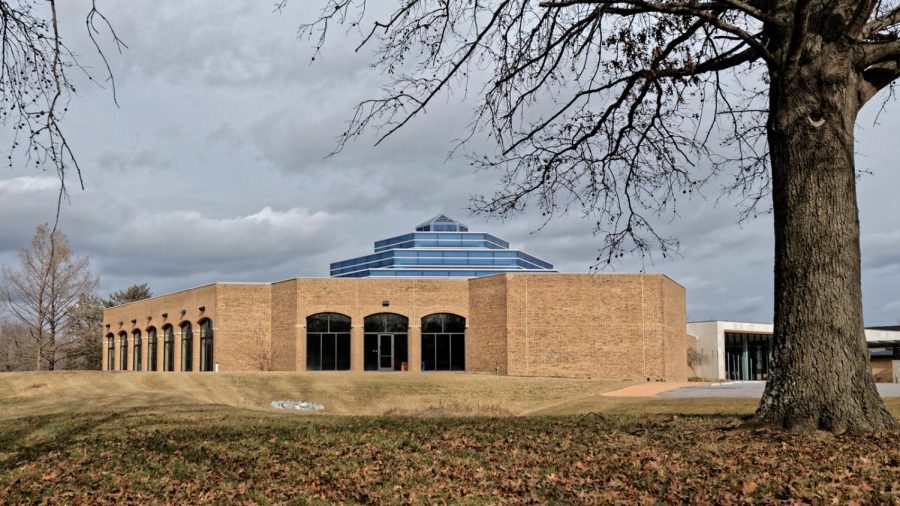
{"x": 442, "y": 223}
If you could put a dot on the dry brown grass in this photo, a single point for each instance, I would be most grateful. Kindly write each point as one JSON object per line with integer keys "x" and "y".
{"x": 346, "y": 393}
{"x": 342, "y": 393}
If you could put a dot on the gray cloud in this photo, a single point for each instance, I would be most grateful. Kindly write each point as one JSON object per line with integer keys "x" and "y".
{"x": 214, "y": 169}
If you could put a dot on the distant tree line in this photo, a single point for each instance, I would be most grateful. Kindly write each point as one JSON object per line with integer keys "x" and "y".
{"x": 51, "y": 316}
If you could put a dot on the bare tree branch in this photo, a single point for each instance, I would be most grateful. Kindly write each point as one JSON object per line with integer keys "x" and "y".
{"x": 35, "y": 86}
{"x": 888, "y": 20}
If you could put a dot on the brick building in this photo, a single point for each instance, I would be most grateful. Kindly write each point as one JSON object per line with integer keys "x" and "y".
{"x": 618, "y": 326}
{"x": 439, "y": 298}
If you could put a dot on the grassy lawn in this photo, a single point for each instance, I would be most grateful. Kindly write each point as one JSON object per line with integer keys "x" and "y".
{"x": 343, "y": 393}
{"x": 162, "y": 446}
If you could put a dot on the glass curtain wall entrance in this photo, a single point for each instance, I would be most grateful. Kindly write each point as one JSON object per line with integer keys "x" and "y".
{"x": 747, "y": 356}
{"x": 386, "y": 340}
{"x": 328, "y": 342}
{"x": 443, "y": 342}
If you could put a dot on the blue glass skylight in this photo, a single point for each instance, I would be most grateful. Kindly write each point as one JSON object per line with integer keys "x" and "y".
{"x": 440, "y": 247}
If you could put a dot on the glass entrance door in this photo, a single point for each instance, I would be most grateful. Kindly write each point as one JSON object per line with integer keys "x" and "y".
{"x": 385, "y": 352}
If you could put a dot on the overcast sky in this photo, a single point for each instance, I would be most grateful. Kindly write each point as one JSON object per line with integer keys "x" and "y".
{"x": 214, "y": 169}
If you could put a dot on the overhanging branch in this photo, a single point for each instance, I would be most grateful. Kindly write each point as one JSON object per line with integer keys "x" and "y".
{"x": 707, "y": 11}
{"x": 879, "y": 24}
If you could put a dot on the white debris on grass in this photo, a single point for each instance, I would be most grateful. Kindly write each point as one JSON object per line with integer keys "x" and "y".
{"x": 298, "y": 405}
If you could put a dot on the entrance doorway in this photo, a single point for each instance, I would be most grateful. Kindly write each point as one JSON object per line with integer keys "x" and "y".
{"x": 386, "y": 343}
{"x": 385, "y": 352}
{"x": 747, "y": 356}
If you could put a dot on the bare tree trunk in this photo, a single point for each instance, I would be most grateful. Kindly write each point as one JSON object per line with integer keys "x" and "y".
{"x": 38, "y": 355}
{"x": 821, "y": 377}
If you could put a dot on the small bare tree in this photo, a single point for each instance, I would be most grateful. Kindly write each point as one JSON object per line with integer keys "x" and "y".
{"x": 14, "y": 351}
{"x": 619, "y": 108}
{"x": 694, "y": 359}
{"x": 44, "y": 295}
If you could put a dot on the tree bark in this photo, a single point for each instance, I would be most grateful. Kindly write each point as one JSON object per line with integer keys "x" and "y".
{"x": 821, "y": 377}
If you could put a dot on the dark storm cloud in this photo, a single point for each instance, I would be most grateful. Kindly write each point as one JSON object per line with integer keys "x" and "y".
{"x": 215, "y": 169}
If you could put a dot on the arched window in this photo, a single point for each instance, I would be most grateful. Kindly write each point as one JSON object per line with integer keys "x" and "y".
{"x": 138, "y": 349}
{"x": 443, "y": 342}
{"x": 386, "y": 344}
{"x": 151, "y": 349}
{"x": 168, "y": 348}
{"x": 110, "y": 352}
{"x": 123, "y": 351}
{"x": 327, "y": 342}
{"x": 206, "y": 345}
{"x": 187, "y": 346}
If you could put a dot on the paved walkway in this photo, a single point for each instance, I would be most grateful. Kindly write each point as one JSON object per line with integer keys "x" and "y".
{"x": 650, "y": 389}
{"x": 749, "y": 389}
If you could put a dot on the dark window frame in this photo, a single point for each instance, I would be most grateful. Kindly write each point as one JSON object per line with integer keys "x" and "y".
{"x": 168, "y": 348}
{"x": 328, "y": 342}
{"x": 123, "y": 351}
{"x": 207, "y": 342}
{"x": 186, "y": 330}
{"x": 110, "y": 352}
{"x": 152, "y": 349}
{"x": 443, "y": 334}
{"x": 137, "y": 345}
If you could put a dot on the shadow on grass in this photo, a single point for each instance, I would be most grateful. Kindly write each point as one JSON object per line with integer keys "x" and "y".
{"x": 24, "y": 439}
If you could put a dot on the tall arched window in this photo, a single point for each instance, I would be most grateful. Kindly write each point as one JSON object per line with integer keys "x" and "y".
{"x": 123, "y": 351}
{"x": 386, "y": 345}
{"x": 206, "y": 345}
{"x": 328, "y": 342}
{"x": 151, "y": 349}
{"x": 187, "y": 347}
{"x": 443, "y": 342}
{"x": 138, "y": 351}
{"x": 168, "y": 348}
{"x": 110, "y": 352}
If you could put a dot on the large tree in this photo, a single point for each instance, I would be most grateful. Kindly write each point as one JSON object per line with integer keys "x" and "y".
{"x": 621, "y": 107}
{"x": 45, "y": 297}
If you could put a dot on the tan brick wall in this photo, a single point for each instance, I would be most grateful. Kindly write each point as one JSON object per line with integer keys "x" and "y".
{"x": 244, "y": 327}
{"x": 676, "y": 338}
{"x": 361, "y": 297}
{"x": 486, "y": 335}
{"x": 603, "y": 326}
{"x": 285, "y": 325}
{"x": 149, "y": 313}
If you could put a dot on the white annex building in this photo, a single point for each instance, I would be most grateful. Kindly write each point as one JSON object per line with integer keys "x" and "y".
{"x": 743, "y": 351}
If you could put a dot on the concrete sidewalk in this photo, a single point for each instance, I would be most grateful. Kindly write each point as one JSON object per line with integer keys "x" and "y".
{"x": 740, "y": 389}
{"x": 750, "y": 389}
{"x": 650, "y": 389}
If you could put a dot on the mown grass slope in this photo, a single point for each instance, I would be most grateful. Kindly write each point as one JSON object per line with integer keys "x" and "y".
{"x": 100, "y": 438}
{"x": 348, "y": 393}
